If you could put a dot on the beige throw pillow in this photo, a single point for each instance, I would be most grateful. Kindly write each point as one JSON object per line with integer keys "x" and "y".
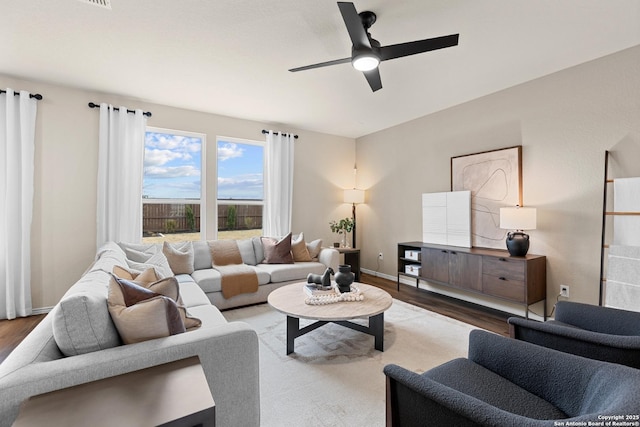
{"x": 314, "y": 248}
{"x": 147, "y": 276}
{"x": 277, "y": 251}
{"x": 144, "y": 311}
{"x": 180, "y": 256}
{"x": 299, "y": 249}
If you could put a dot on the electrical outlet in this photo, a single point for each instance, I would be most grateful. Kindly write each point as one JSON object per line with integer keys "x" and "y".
{"x": 564, "y": 291}
{"x": 380, "y": 257}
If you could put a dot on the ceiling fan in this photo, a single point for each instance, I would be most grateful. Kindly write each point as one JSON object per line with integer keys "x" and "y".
{"x": 366, "y": 52}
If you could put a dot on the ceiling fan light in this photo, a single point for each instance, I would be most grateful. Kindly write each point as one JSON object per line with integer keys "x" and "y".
{"x": 365, "y": 61}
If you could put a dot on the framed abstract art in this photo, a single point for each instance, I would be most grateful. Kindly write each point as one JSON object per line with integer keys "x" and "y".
{"x": 495, "y": 180}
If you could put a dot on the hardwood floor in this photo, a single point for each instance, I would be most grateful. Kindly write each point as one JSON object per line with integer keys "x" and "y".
{"x": 12, "y": 332}
{"x": 473, "y": 314}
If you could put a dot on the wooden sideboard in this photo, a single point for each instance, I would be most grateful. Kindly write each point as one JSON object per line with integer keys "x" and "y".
{"x": 490, "y": 272}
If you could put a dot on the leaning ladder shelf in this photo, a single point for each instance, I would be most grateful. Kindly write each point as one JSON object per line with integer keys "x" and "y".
{"x": 605, "y": 213}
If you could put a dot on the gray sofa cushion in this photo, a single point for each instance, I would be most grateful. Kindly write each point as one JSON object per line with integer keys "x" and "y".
{"x": 258, "y": 249}
{"x": 201, "y": 255}
{"x": 247, "y": 252}
{"x": 82, "y": 324}
{"x": 476, "y": 381}
{"x": 192, "y": 295}
{"x": 210, "y": 280}
{"x": 140, "y": 252}
{"x": 287, "y": 272}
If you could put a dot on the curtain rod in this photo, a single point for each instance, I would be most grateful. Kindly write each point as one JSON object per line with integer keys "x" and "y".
{"x": 93, "y": 105}
{"x": 282, "y": 133}
{"x": 31, "y": 95}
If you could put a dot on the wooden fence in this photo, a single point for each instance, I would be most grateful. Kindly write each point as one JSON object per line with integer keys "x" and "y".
{"x": 175, "y": 218}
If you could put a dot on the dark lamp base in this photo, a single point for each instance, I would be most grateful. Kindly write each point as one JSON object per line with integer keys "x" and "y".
{"x": 517, "y": 243}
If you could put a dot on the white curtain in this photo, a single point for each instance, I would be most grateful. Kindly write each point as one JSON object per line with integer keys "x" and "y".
{"x": 278, "y": 177}
{"x": 17, "y": 132}
{"x": 120, "y": 168}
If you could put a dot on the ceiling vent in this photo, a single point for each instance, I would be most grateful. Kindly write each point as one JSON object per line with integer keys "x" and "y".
{"x": 106, "y": 4}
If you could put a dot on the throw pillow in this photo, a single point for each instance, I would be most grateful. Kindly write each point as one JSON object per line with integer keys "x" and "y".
{"x": 169, "y": 288}
{"x": 180, "y": 257}
{"x": 314, "y": 248}
{"x": 277, "y": 251}
{"x": 139, "y": 252}
{"x": 142, "y": 313}
{"x": 299, "y": 249}
{"x": 81, "y": 323}
{"x": 157, "y": 261}
{"x": 247, "y": 252}
{"x": 258, "y": 249}
{"x": 149, "y": 275}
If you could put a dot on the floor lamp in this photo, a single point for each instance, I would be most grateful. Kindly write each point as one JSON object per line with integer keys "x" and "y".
{"x": 354, "y": 197}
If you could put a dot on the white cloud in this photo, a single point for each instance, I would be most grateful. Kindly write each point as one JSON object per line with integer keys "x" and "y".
{"x": 250, "y": 179}
{"x": 229, "y": 150}
{"x": 155, "y": 157}
{"x": 170, "y": 172}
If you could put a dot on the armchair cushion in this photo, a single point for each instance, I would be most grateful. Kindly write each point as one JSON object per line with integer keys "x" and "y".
{"x": 474, "y": 380}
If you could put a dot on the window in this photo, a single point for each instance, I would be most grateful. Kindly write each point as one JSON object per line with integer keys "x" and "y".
{"x": 240, "y": 188}
{"x": 173, "y": 193}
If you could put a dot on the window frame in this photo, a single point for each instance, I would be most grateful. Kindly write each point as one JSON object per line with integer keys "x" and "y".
{"x": 253, "y": 202}
{"x": 203, "y": 175}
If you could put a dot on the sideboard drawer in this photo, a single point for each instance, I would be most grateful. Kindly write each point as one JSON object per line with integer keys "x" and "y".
{"x": 503, "y": 287}
{"x": 503, "y": 267}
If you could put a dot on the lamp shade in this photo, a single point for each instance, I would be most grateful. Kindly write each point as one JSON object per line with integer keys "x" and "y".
{"x": 354, "y": 196}
{"x": 518, "y": 218}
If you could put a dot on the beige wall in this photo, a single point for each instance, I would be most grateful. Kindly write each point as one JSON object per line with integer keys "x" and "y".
{"x": 64, "y": 230}
{"x": 564, "y": 121}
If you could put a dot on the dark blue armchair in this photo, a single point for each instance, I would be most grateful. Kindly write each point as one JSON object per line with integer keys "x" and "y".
{"x": 592, "y": 331}
{"x": 506, "y": 382}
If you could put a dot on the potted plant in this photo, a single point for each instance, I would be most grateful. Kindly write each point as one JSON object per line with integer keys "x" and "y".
{"x": 342, "y": 227}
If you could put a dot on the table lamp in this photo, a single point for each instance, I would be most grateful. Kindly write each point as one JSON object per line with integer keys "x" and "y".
{"x": 518, "y": 219}
{"x": 353, "y": 196}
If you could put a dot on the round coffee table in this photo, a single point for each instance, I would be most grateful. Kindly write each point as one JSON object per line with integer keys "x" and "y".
{"x": 289, "y": 300}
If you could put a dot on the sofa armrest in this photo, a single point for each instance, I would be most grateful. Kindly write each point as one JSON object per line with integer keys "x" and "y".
{"x": 228, "y": 354}
{"x": 330, "y": 258}
{"x": 598, "y": 319}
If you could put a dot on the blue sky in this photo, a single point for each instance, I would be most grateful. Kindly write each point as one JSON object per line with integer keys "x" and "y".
{"x": 240, "y": 171}
{"x": 172, "y": 168}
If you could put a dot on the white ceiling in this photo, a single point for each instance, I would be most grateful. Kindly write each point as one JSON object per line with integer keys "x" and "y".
{"x": 231, "y": 57}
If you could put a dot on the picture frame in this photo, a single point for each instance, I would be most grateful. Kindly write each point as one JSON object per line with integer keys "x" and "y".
{"x": 495, "y": 180}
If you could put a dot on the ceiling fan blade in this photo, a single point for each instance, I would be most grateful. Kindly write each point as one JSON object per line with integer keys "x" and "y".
{"x": 418, "y": 46}
{"x": 373, "y": 77}
{"x": 356, "y": 30}
{"x": 321, "y": 64}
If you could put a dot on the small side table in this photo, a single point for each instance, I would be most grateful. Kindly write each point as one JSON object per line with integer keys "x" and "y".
{"x": 352, "y": 257}
{"x": 175, "y": 394}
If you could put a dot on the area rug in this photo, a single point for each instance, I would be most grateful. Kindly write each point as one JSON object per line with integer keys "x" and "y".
{"x": 334, "y": 377}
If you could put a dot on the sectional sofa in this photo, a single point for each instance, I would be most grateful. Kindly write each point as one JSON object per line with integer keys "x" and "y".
{"x": 77, "y": 342}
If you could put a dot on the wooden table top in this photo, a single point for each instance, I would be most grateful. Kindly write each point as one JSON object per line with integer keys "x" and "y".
{"x": 151, "y": 396}
{"x": 289, "y": 300}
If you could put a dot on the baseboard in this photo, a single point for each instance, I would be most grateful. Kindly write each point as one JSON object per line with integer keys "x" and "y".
{"x": 507, "y": 308}
{"x": 42, "y": 310}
